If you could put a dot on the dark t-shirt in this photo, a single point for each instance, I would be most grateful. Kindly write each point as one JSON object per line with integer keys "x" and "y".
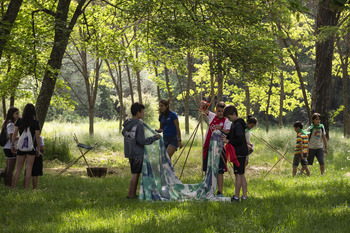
{"x": 236, "y": 137}
{"x": 34, "y": 125}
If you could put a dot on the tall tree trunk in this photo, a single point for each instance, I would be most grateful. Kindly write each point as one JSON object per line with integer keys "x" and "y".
{"x": 220, "y": 79}
{"x": 61, "y": 39}
{"x": 188, "y": 85}
{"x": 268, "y": 105}
{"x": 280, "y": 117}
{"x": 327, "y": 15}
{"x": 247, "y": 98}
{"x": 122, "y": 112}
{"x": 7, "y": 22}
{"x": 4, "y": 106}
{"x": 158, "y": 89}
{"x": 130, "y": 81}
{"x": 168, "y": 87}
{"x": 139, "y": 89}
{"x": 212, "y": 81}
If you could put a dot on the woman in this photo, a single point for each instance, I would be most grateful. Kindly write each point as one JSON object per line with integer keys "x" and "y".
{"x": 9, "y": 123}
{"x": 28, "y": 120}
{"x": 169, "y": 125}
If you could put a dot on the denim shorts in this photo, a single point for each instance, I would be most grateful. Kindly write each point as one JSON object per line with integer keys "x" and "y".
{"x": 136, "y": 165}
{"x": 171, "y": 141}
{"x": 300, "y": 159}
{"x": 319, "y": 153}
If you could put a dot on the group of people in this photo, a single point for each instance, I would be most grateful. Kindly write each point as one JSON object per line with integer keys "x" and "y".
{"x": 23, "y": 147}
{"x": 235, "y": 131}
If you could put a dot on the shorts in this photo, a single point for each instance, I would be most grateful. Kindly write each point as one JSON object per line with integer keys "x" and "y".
{"x": 241, "y": 168}
{"x": 33, "y": 152}
{"x": 171, "y": 141}
{"x": 38, "y": 166}
{"x": 222, "y": 163}
{"x": 136, "y": 165}
{"x": 298, "y": 159}
{"x": 319, "y": 153}
{"x": 8, "y": 154}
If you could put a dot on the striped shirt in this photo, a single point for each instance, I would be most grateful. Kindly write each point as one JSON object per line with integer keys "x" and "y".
{"x": 301, "y": 137}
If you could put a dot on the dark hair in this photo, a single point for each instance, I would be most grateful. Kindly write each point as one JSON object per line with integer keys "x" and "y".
{"x": 251, "y": 120}
{"x": 166, "y": 113}
{"x": 298, "y": 124}
{"x": 315, "y": 115}
{"x": 136, "y": 107}
{"x": 28, "y": 116}
{"x": 9, "y": 116}
{"x": 221, "y": 104}
{"x": 229, "y": 110}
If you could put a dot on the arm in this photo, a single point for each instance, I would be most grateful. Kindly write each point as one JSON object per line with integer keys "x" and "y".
{"x": 177, "y": 126}
{"x": 140, "y": 136}
{"x": 37, "y": 139}
{"x": 13, "y": 150}
{"x": 325, "y": 144}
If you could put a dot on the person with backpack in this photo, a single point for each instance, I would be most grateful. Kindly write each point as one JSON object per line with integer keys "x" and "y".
{"x": 29, "y": 130}
{"x": 8, "y": 128}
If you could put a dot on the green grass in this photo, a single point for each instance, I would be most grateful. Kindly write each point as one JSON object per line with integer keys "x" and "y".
{"x": 277, "y": 203}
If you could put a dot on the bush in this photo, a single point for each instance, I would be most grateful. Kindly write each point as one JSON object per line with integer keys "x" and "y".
{"x": 57, "y": 148}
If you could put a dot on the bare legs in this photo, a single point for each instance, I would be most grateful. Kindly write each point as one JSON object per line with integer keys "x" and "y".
{"x": 241, "y": 183}
{"x": 170, "y": 150}
{"x": 10, "y": 166}
{"x": 29, "y": 159}
{"x": 133, "y": 185}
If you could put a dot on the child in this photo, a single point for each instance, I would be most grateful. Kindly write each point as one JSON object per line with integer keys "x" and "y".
{"x": 215, "y": 122}
{"x": 236, "y": 137}
{"x": 134, "y": 141}
{"x": 317, "y": 139}
{"x": 38, "y": 165}
{"x": 301, "y": 149}
{"x": 251, "y": 123}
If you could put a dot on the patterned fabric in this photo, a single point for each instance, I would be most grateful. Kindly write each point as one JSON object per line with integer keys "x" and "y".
{"x": 301, "y": 137}
{"x": 159, "y": 181}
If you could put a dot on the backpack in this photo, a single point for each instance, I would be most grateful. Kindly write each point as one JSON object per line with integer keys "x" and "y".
{"x": 3, "y": 136}
{"x": 25, "y": 141}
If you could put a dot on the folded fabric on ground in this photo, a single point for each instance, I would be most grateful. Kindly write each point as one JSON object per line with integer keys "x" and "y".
{"x": 159, "y": 181}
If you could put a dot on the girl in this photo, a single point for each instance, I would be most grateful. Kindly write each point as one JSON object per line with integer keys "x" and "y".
{"x": 169, "y": 125}
{"x": 251, "y": 123}
{"x": 28, "y": 120}
{"x": 9, "y": 123}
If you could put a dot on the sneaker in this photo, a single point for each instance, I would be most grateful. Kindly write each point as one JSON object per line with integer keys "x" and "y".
{"x": 234, "y": 199}
{"x": 244, "y": 198}
{"x": 219, "y": 194}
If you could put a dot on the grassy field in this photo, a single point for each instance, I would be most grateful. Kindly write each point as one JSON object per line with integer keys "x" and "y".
{"x": 277, "y": 202}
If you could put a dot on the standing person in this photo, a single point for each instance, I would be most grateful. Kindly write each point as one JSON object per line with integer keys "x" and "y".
{"x": 169, "y": 125}
{"x": 251, "y": 123}
{"x": 216, "y": 121}
{"x": 236, "y": 138}
{"x": 28, "y": 121}
{"x": 317, "y": 140}
{"x": 134, "y": 142}
{"x": 9, "y": 123}
{"x": 301, "y": 149}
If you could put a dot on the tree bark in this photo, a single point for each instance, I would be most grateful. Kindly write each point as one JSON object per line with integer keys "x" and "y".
{"x": 61, "y": 39}
{"x": 168, "y": 87}
{"x": 280, "y": 117}
{"x": 137, "y": 70}
{"x": 247, "y": 98}
{"x": 4, "y": 112}
{"x": 212, "y": 81}
{"x": 158, "y": 89}
{"x": 268, "y": 105}
{"x": 327, "y": 15}
{"x": 129, "y": 79}
{"x": 7, "y": 22}
{"x": 188, "y": 85}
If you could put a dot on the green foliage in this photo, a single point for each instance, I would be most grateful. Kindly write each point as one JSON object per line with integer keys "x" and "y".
{"x": 57, "y": 148}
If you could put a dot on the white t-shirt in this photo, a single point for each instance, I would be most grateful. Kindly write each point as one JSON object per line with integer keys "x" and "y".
{"x": 211, "y": 116}
{"x": 10, "y": 130}
{"x": 316, "y": 140}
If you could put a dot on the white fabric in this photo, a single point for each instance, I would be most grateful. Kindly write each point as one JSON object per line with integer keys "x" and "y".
{"x": 211, "y": 116}
{"x": 10, "y": 129}
{"x": 316, "y": 140}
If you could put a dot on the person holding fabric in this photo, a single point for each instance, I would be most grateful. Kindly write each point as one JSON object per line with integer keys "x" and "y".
{"x": 169, "y": 125}
{"x": 11, "y": 118}
{"x": 216, "y": 121}
{"x": 28, "y": 121}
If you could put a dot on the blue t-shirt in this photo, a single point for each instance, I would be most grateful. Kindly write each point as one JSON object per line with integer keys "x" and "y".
{"x": 169, "y": 129}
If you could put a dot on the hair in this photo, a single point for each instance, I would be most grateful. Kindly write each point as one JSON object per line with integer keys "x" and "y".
{"x": 166, "y": 113}
{"x": 229, "y": 110}
{"x": 298, "y": 124}
{"x": 136, "y": 107}
{"x": 9, "y": 116}
{"x": 251, "y": 119}
{"x": 28, "y": 116}
{"x": 315, "y": 115}
{"x": 221, "y": 104}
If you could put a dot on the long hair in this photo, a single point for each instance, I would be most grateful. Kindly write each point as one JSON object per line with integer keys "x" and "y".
{"x": 9, "y": 116}
{"x": 166, "y": 113}
{"x": 28, "y": 116}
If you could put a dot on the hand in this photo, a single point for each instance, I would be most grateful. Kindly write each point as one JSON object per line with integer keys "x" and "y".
{"x": 37, "y": 153}
{"x": 224, "y": 139}
{"x": 325, "y": 152}
{"x": 42, "y": 148}
{"x": 159, "y": 130}
{"x": 180, "y": 144}
{"x": 218, "y": 127}
{"x": 157, "y": 136}
{"x": 13, "y": 150}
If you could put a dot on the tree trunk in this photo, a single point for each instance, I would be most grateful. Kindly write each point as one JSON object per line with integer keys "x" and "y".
{"x": 212, "y": 81}
{"x": 129, "y": 79}
{"x": 168, "y": 87}
{"x": 280, "y": 117}
{"x": 220, "y": 80}
{"x": 139, "y": 89}
{"x": 158, "y": 89}
{"x": 187, "y": 97}
{"x": 268, "y": 105}
{"x": 7, "y": 22}
{"x": 4, "y": 107}
{"x": 327, "y": 15}
{"x": 122, "y": 112}
{"x": 247, "y": 98}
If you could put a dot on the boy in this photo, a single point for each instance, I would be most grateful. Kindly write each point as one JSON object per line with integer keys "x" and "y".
{"x": 236, "y": 137}
{"x": 317, "y": 139}
{"x": 215, "y": 122}
{"x": 301, "y": 149}
{"x": 134, "y": 142}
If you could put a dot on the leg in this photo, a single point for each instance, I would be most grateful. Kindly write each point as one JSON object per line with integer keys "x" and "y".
{"x": 20, "y": 164}
{"x": 220, "y": 182}
{"x": 322, "y": 169}
{"x": 170, "y": 150}
{"x": 133, "y": 185}
{"x": 10, "y": 166}
{"x": 238, "y": 185}
{"x": 35, "y": 182}
{"x": 306, "y": 168}
{"x": 29, "y": 167}
{"x": 244, "y": 186}
{"x": 294, "y": 170}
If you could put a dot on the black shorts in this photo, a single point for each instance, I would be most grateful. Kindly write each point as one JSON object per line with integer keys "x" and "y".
{"x": 38, "y": 166}
{"x": 319, "y": 153}
{"x": 136, "y": 165}
{"x": 241, "y": 168}
{"x": 222, "y": 163}
{"x": 33, "y": 152}
{"x": 9, "y": 154}
{"x": 300, "y": 159}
